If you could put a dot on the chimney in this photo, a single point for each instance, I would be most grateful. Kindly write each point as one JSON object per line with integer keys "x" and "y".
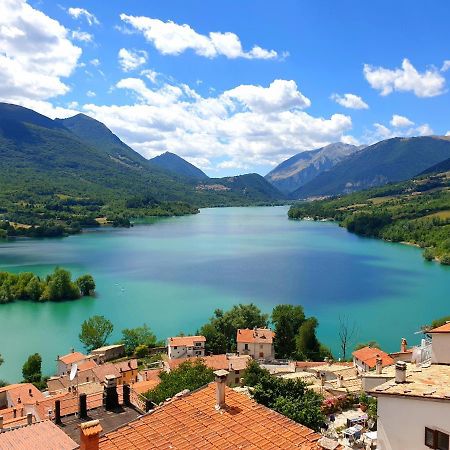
{"x": 72, "y": 350}
{"x": 339, "y": 381}
{"x": 403, "y": 345}
{"x": 400, "y": 372}
{"x": 90, "y": 435}
{"x": 110, "y": 396}
{"x": 379, "y": 365}
{"x": 221, "y": 380}
{"x": 30, "y": 392}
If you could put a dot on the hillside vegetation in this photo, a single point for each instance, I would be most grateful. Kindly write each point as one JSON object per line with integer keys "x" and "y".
{"x": 415, "y": 211}
{"x": 58, "y": 176}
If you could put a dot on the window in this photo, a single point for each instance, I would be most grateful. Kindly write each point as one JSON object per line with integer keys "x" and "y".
{"x": 236, "y": 372}
{"x": 261, "y": 354}
{"x": 436, "y": 439}
{"x": 236, "y": 380}
{"x": 175, "y": 347}
{"x": 245, "y": 346}
{"x": 261, "y": 346}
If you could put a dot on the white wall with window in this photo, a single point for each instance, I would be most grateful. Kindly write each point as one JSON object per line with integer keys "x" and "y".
{"x": 413, "y": 423}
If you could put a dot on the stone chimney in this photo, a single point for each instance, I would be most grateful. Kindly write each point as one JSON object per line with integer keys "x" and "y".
{"x": 400, "y": 372}
{"x": 379, "y": 365}
{"x": 110, "y": 395}
{"x": 221, "y": 381}
{"x": 403, "y": 345}
{"x": 90, "y": 435}
{"x": 339, "y": 380}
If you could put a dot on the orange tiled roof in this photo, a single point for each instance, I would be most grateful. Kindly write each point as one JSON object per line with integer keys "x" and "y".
{"x": 72, "y": 357}
{"x": 105, "y": 369}
{"x": 27, "y": 392}
{"x": 192, "y": 422}
{"x": 255, "y": 336}
{"x": 141, "y": 387}
{"x": 39, "y": 436}
{"x": 86, "y": 365}
{"x": 442, "y": 329}
{"x": 215, "y": 362}
{"x": 187, "y": 341}
{"x": 125, "y": 366}
{"x": 369, "y": 355}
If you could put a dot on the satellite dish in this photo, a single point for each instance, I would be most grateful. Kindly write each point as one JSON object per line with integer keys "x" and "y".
{"x": 73, "y": 371}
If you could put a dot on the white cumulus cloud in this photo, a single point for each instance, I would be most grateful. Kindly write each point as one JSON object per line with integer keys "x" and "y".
{"x": 400, "y": 121}
{"x": 445, "y": 65}
{"x": 405, "y": 79}
{"x": 82, "y": 36}
{"x": 132, "y": 59}
{"x": 247, "y": 126}
{"x": 381, "y": 132}
{"x": 448, "y": 133}
{"x": 280, "y": 95}
{"x": 78, "y": 13}
{"x": 350, "y": 101}
{"x": 36, "y": 54}
{"x": 170, "y": 38}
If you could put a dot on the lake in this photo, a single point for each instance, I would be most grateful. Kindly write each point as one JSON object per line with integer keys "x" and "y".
{"x": 171, "y": 273}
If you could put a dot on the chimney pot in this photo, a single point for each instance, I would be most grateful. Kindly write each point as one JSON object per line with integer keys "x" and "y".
{"x": 221, "y": 379}
{"x": 30, "y": 392}
{"x": 400, "y": 372}
{"x": 379, "y": 365}
{"x": 90, "y": 435}
{"x": 403, "y": 345}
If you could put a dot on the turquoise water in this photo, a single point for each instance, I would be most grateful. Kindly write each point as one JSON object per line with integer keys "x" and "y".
{"x": 172, "y": 274}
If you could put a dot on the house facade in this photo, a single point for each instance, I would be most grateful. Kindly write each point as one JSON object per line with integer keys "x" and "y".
{"x": 256, "y": 342}
{"x": 186, "y": 346}
{"x": 64, "y": 363}
{"x": 365, "y": 359}
{"x": 109, "y": 352}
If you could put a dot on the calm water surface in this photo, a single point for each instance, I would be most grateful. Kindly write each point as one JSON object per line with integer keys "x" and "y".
{"x": 172, "y": 274}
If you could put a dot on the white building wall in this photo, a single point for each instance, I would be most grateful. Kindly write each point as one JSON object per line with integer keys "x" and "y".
{"x": 183, "y": 351}
{"x": 402, "y": 421}
{"x": 440, "y": 349}
{"x": 255, "y": 350}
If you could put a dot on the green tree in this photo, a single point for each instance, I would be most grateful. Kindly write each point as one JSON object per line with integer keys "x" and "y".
{"x": 95, "y": 331}
{"x": 141, "y": 351}
{"x": 60, "y": 286}
{"x": 134, "y": 337}
{"x": 307, "y": 344}
{"x": 188, "y": 375}
{"x": 292, "y": 398}
{"x": 254, "y": 373}
{"x": 227, "y": 324}
{"x": 32, "y": 369}
{"x": 86, "y": 284}
{"x": 34, "y": 289}
{"x": 287, "y": 320}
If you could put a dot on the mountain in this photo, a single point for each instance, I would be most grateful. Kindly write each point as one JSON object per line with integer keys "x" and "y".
{"x": 97, "y": 135}
{"x": 303, "y": 167}
{"x": 175, "y": 164}
{"x": 61, "y": 175}
{"x": 387, "y": 161}
{"x": 443, "y": 166}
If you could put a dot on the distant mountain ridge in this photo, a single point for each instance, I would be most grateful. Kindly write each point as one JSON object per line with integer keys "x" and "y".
{"x": 175, "y": 164}
{"x": 443, "y": 166}
{"x": 305, "y": 166}
{"x": 391, "y": 160}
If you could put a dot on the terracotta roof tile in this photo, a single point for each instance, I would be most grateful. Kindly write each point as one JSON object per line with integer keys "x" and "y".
{"x": 369, "y": 355}
{"x": 72, "y": 357}
{"x": 195, "y": 423}
{"x": 39, "y": 436}
{"x": 187, "y": 341}
{"x": 442, "y": 329}
{"x": 256, "y": 336}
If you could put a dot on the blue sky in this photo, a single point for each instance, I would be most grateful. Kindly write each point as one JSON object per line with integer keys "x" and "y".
{"x": 232, "y": 86}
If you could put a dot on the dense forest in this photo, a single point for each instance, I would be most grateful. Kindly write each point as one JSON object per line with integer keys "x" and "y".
{"x": 56, "y": 286}
{"x": 415, "y": 211}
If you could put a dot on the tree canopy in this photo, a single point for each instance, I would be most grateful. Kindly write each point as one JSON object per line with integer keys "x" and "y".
{"x": 56, "y": 286}
{"x": 287, "y": 320}
{"x": 221, "y": 330}
{"x": 188, "y": 375}
{"x": 95, "y": 332}
{"x": 139, "y": 336}
{"x": 292, "y": 398}
{"x": 32, "y": 369}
